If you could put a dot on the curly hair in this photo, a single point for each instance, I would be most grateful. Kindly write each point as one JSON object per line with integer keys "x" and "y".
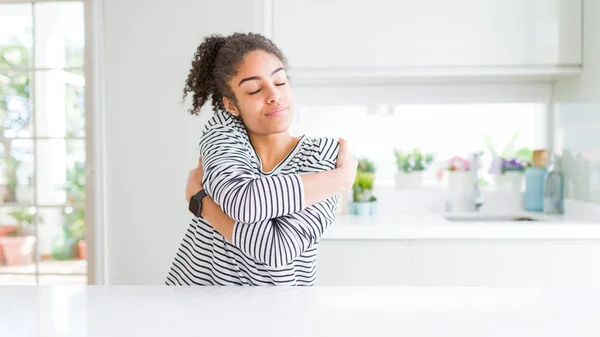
{"x": 216, "y": 61}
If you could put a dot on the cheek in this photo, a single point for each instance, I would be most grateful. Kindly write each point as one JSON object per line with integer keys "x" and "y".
{"x": 250, "y": 108}
{"x": 288, "y": 93}
{"x": 250, "y": 111}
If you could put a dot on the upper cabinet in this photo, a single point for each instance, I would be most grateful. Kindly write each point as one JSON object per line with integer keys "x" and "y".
{"x": 382, "y": 38}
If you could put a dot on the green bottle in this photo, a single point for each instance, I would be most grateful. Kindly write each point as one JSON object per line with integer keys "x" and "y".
{"x": 554, "y": 187}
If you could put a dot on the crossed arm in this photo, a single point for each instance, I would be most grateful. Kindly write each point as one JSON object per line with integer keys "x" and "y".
{"x": 248, "y": 210}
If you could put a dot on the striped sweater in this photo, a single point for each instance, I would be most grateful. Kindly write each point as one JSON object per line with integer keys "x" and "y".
{"x": 275, "y": 237}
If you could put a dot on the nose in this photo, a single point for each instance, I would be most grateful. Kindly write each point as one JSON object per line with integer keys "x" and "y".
{"x": 274, "y": 95}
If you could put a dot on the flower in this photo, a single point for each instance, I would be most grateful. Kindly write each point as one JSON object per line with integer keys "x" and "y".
{"x": 502, "y": 165}
{"x": 458, "y": 163}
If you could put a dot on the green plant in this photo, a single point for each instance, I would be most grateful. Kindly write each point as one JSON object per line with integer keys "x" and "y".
{"x": 413, "y": 161}
{"x": 14, "y": 91}
{"x": 365, "y": 165}
{"x": 362, "y": 189}
{"x": 10, "y": 177}
{"x": 75, "y": 223}
{"x": 509, "y": 152}
{"x": 75, "y": 183}
{"x": 25, "y": 217}
{"x": 363, "y": 186}
{"x": 75, "y": 190}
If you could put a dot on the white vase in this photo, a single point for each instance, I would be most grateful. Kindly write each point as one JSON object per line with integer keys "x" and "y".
{"x": 363, "y": 208}
{"x": 510, "y": 180}
{"x": 460, "y": 180}
{"x": 460, "y": 186}
{"x": 409, "y": 181}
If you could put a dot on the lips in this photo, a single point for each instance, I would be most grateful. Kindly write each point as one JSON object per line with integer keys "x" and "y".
{"x": 276, "y": 113}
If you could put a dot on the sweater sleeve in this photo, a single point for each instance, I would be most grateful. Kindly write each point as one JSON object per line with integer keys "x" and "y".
{"x": 279, "y": 241}
{"x": 230, "y": 180}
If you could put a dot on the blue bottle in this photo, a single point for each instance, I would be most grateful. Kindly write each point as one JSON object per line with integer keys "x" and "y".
{"x": 533, "y": 197}
{"x": 554, "y": 188}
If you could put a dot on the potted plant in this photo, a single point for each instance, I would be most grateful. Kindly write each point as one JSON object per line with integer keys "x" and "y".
{"x": 75, "y": 214}
{"x": 362, "y": 191}
{"x": 507, "y": 167}
{"x": 511, "y": 173}
{"x": 18, "y": 246}
{"x": 459, "y": 175}
{"x": 410, "y": 167}
{"x": 6, "y": 230}
{"x": 76, "y": 231}
{"x": 373, "y": 205}
{"x": 63, "y": 245}
{"x": 363, "y": 200}
{"x": 16, "y": 93}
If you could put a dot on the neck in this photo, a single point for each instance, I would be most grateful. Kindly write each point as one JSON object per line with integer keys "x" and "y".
{"x": 272, "y": 149}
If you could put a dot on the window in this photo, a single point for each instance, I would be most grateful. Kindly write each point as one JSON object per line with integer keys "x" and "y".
{"x": 42, "y": 143}
{"x": 446, "y": 130}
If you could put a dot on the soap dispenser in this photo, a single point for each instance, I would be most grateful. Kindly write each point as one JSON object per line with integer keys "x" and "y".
{"x": 554, "y": 187}
{"x": 533, "y": 197}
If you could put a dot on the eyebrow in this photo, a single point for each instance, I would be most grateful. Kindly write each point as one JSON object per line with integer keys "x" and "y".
{"x": 257, "y": 78}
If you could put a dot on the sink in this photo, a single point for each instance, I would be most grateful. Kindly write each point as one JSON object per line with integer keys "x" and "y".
{"x": 489, "y": 217}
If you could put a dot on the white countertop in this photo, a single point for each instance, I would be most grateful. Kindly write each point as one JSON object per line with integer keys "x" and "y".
{"x": 317, "y": 311}
{"x": 404, "y": 226}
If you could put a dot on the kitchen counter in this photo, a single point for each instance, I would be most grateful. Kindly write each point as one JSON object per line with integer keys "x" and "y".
{"x": 403, "y": 226}
{"x": 318, "y": 311}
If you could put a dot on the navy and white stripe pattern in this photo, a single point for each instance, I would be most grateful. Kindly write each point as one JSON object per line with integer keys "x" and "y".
{"x": 275, "y": 238}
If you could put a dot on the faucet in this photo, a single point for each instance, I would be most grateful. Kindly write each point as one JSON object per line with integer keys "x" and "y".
{"x": 476, "y": 198}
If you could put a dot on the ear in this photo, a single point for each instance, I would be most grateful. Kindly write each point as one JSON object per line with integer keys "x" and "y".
{"x": 230, "y": 106}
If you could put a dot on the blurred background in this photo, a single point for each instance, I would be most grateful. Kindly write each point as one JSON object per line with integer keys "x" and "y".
{"x": 96, "y": 143}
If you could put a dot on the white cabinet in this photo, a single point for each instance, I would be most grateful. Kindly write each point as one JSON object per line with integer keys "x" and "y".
{"x": 363, "y": 262}
{"x": 505, "y": 262}
{"x": 459, "y": 262}
{"x": 427, "y": 35}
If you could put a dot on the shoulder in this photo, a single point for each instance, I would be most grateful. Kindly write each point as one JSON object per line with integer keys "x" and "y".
{"x": 222, "y": 125}
{"x": 324, "y": 148}
{"x": 224, "y": 121}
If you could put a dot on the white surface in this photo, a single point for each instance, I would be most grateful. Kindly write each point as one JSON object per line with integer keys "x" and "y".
{"x": 435, "y": 226}
{"x": 316, "y": 311}
{"x": 429, "y": 34}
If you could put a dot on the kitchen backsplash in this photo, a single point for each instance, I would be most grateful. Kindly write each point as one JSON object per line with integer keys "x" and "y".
{"x": 577, "y": 140}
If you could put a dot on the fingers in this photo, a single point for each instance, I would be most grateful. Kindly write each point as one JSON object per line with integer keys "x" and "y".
{"x": 343, "y": 145}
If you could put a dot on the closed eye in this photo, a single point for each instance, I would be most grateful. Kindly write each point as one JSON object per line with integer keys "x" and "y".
{"x": 276, "y": 84}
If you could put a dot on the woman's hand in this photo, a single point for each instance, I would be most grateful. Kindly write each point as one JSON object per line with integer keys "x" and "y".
{"x": 194, "y": 182}
{"x": 347, "y": 164}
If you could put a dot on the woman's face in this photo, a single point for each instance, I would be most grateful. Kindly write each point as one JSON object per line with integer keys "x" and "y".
{"x": 263, "y": 93}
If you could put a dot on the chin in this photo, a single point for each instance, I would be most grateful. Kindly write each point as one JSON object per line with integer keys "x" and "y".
{"x": 278, "y": 130}
{"x": 281, "y": 126}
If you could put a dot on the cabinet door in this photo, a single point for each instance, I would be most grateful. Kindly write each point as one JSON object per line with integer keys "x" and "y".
{"x": 363, "y": 262}
{"x": 505, "y": 263}
{"x": 317, "y": 34}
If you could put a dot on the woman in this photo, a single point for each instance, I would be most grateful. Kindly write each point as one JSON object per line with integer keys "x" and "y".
{"x": 269, "y": 195}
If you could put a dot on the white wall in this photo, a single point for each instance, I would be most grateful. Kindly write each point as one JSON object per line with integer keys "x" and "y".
{"x": 577, "y": 125}
{"x": 151, "y": 139}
